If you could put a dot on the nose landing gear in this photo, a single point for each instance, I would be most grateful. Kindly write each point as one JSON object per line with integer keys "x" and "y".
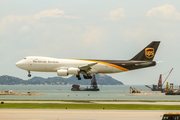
{"x": 29, "y": 74}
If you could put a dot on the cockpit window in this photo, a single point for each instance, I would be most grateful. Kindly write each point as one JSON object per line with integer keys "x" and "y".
{"x": 24, "y": 58}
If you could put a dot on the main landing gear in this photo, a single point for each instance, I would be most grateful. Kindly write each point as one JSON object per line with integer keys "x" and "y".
{"x": 78, "y": 76}
{"x": 88, "y": 76}
{"x": 29, "y": 74}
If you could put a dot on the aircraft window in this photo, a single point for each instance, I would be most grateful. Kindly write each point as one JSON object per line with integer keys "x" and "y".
{"x": 24, "y": 58}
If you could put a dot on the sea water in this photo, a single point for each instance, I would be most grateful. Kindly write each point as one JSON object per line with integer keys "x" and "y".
{"x": 63, "y": 92}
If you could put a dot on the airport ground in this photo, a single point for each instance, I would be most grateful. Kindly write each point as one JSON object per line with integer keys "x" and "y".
{"x": 85, "y": 110}
{"x": 59, "y": 114}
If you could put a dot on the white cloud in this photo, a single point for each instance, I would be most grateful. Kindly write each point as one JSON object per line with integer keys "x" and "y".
{"x": 140, "y": 34}
{"x": 54, "y": 13}
{"x": 13, "y": 18}
{"x": 36, "y": 35}
{"x": 50, "y": 13}
{"x": 135, "y": 34}
{"x": 166, "y": 12}
{"x": 92, "y": 35}
{"x": 24, "y": 29}
{"x": 118, "y": 14}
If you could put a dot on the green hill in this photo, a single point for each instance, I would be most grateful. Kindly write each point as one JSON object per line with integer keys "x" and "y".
{"x": 102, "y": 79}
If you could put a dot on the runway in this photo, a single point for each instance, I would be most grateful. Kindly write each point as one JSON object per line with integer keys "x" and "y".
{"x": 71, "y": 114}
{"x": 94, "y": 102}
{"x": 51, "y": 114}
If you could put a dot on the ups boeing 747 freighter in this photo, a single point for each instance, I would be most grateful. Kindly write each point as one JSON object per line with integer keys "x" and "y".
{"x": 65, "y": 67}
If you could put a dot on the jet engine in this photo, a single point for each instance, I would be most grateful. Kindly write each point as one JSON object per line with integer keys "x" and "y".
{"x": 73, "y": 71}
{"x": 64, "y": 72}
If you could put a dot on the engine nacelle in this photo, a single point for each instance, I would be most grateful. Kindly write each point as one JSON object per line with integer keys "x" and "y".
{"x": 62, "y": 73}
{"x": 74, "y": 71}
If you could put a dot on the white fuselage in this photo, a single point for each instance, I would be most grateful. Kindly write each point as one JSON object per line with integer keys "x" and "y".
{"x": 64, "y": 67}
{"x": 47, "y": 64}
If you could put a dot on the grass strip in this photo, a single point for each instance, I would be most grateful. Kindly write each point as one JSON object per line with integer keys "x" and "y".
{"x": 94, "y": 100}
{"x": 87, "y": 106}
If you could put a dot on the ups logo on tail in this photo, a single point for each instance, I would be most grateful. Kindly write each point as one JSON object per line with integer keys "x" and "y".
{"x": 149, "y": 52}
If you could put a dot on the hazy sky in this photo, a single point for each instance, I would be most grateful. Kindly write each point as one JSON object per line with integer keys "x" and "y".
{"x": 92, "y": 29}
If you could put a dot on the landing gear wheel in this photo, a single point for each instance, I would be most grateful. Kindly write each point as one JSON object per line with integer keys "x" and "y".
{"x": 89, "y": 76}
{"x": 29, "y": 74}
{"x": 78, "y": 76}
{"x": 85, "y": 77}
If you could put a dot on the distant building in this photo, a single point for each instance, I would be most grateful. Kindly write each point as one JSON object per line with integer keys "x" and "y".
{"x": 8, "y": 91}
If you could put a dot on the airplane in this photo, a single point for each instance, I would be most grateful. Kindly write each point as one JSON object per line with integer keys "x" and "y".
{"x": 86, "y": 67}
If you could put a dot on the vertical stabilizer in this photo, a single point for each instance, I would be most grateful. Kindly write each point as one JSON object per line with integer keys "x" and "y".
{"x": 148, "y": 53}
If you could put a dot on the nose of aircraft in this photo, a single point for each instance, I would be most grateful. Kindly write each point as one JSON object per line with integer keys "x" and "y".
{"x": 19, "y": 64}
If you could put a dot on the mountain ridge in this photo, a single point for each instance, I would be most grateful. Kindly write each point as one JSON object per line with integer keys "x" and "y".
{"x": 102, "y": 79}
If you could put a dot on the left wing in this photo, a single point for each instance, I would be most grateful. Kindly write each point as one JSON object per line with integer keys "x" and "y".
{"x": 84, "y": 70}
{"x": 87, "y": 67}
